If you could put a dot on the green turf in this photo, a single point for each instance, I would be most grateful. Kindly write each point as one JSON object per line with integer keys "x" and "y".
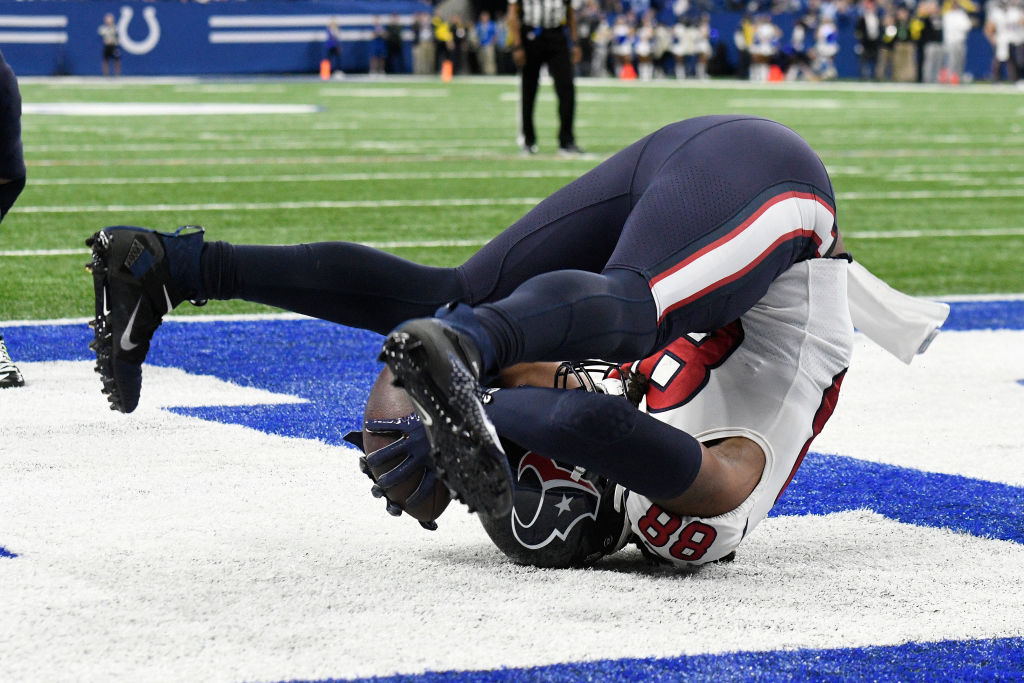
{"x": 389, "y": 159}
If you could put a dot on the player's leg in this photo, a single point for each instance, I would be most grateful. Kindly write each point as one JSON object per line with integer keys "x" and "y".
{"x": 725, "y": 204}
{"x": 577, "y": 227}
{"x": 529, "y": 81}
{"x": 601, "y": 433}
{"x": 722, "y": 212}
{"x": 561, "y": 68}
{"x": 342, "y": 282}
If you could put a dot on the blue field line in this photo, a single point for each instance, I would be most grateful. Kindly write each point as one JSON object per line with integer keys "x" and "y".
{"x": 985, "y": 315}
{"x": 834, "y": 483}
{"x": 332, "y": 367}
{"x": 998, "y": 659}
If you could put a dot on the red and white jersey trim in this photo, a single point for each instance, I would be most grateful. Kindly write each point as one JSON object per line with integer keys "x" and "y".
{"x": 787, "y": 216}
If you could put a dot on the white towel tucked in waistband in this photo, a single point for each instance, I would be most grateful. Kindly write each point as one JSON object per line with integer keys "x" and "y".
{"x": 901, "y": 324}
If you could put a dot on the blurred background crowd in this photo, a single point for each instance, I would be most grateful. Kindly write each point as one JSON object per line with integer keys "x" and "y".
{"x": 774, "y": 40}
{"x": 886, "y": 40}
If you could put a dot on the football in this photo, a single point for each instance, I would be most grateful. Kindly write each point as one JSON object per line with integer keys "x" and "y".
{"x": 387, "y": 401}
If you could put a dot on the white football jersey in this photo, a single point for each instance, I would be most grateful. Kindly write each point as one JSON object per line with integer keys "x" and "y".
{"x": 773, "y": 377}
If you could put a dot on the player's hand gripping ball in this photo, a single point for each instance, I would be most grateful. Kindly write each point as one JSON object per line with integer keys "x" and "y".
{"x": 397, "y": 455}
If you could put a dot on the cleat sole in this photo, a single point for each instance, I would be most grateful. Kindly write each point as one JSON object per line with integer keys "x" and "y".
{"x": 102, "y": 343}
{"x": 464, "y": 447}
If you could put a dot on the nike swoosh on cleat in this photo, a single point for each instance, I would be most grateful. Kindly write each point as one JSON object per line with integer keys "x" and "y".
{"x": 167, "y": 297}
{"x": 126, "y": 336}
{"x": 106, "y": 309}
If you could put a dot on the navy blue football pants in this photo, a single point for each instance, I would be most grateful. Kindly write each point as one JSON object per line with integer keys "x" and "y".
{"x": 683, "y": 231}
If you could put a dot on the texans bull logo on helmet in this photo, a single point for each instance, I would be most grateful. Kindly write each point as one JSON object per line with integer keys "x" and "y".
{"x": 541, "y": 514}
{"x": 561, "y": 516}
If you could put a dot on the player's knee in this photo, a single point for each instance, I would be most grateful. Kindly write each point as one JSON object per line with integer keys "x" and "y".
{"x": 595, "y": 418}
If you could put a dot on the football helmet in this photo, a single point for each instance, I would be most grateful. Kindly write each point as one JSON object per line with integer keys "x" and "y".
{"x": 597, "y": 376}
{"x": 562, "y": 516}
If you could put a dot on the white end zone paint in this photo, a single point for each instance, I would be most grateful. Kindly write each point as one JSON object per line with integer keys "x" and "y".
{"x": 956, "y": 409}
{"x": 158, "y": 546}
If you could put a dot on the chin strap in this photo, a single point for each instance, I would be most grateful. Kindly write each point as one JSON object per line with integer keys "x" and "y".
{"x": 901, "y": 324}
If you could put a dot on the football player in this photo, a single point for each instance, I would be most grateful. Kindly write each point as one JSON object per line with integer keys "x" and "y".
{"x": 12, "y": 180}
{"x": 710, "y": 248}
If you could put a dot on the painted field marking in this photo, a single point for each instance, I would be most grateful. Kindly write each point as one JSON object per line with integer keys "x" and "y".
{"x": 501, "y": 201}
{"x": 443, "y": 244}
{"x": 295, "y": 143}
{"x": 301, "y": 160}
{"x": 162, "y": 108}
{"x": 960, "y": 177}
{"x": 274, "y": 206}
{"x": 313, "y": 178}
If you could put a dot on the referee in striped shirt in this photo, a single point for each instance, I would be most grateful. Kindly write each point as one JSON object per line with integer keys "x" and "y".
{"x": 544, "y": 32}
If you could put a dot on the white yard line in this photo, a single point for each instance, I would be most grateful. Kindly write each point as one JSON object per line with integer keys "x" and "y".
{"x": 235, "y": 317}
{"x": 959, "y": 175}
{"x": 305, "y": 160}
{"x": 501, "y": 201}
{"x": 275, "y": 206}
{"x": 303, "y": 178}
{"x": 440, "y": 244}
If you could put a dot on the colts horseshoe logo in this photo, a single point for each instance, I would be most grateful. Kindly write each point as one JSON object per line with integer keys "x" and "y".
{"x": 138, "y": 47}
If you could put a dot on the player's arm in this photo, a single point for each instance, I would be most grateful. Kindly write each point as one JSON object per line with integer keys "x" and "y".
{"x": 730, "y": 468}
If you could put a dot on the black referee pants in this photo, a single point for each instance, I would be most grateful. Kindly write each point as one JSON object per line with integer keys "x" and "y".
{"x": 551, "y": 47}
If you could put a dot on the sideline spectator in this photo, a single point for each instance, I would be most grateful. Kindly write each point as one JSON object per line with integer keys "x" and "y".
{"x": 503, "y": 46}
{"x": 742, "y": 38}
{"x": 623, "y": 39}
{"x": 703, "y": 46}
{"x": 681, "y": 50}
{"x": 587, "y": 23}
{"x": 868, "y": 34}
{"x": 645, "y": 48}
{"x": 800, "y": 51}
{"x": 956, "y": 25}
{"x": 884, "y": 68}
{"x": 444, "y": 42}
{"x": 332, "y": 47}
{"x": 394, "y": 46}
{"x": 111, "y": 46}
{"x": 423, "y": 45}
{"x": 462, "y": 41}
{"x": 930, "y": 40}
{"x": 1000, "y": 29}
{"x": 378, "y": 49}
{"x": 904, "y": 56}
{"x": 764, "y": 48}
{"x": 601, "y": 61}
{"x": 486, "y": 34}
{"x": 826, "y": 46}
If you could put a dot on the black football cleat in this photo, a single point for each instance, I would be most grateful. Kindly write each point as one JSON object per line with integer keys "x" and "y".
{"x": 439, "y": 369}
{"x": 10, "y": 376}
{"x": 134, "y": 290}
